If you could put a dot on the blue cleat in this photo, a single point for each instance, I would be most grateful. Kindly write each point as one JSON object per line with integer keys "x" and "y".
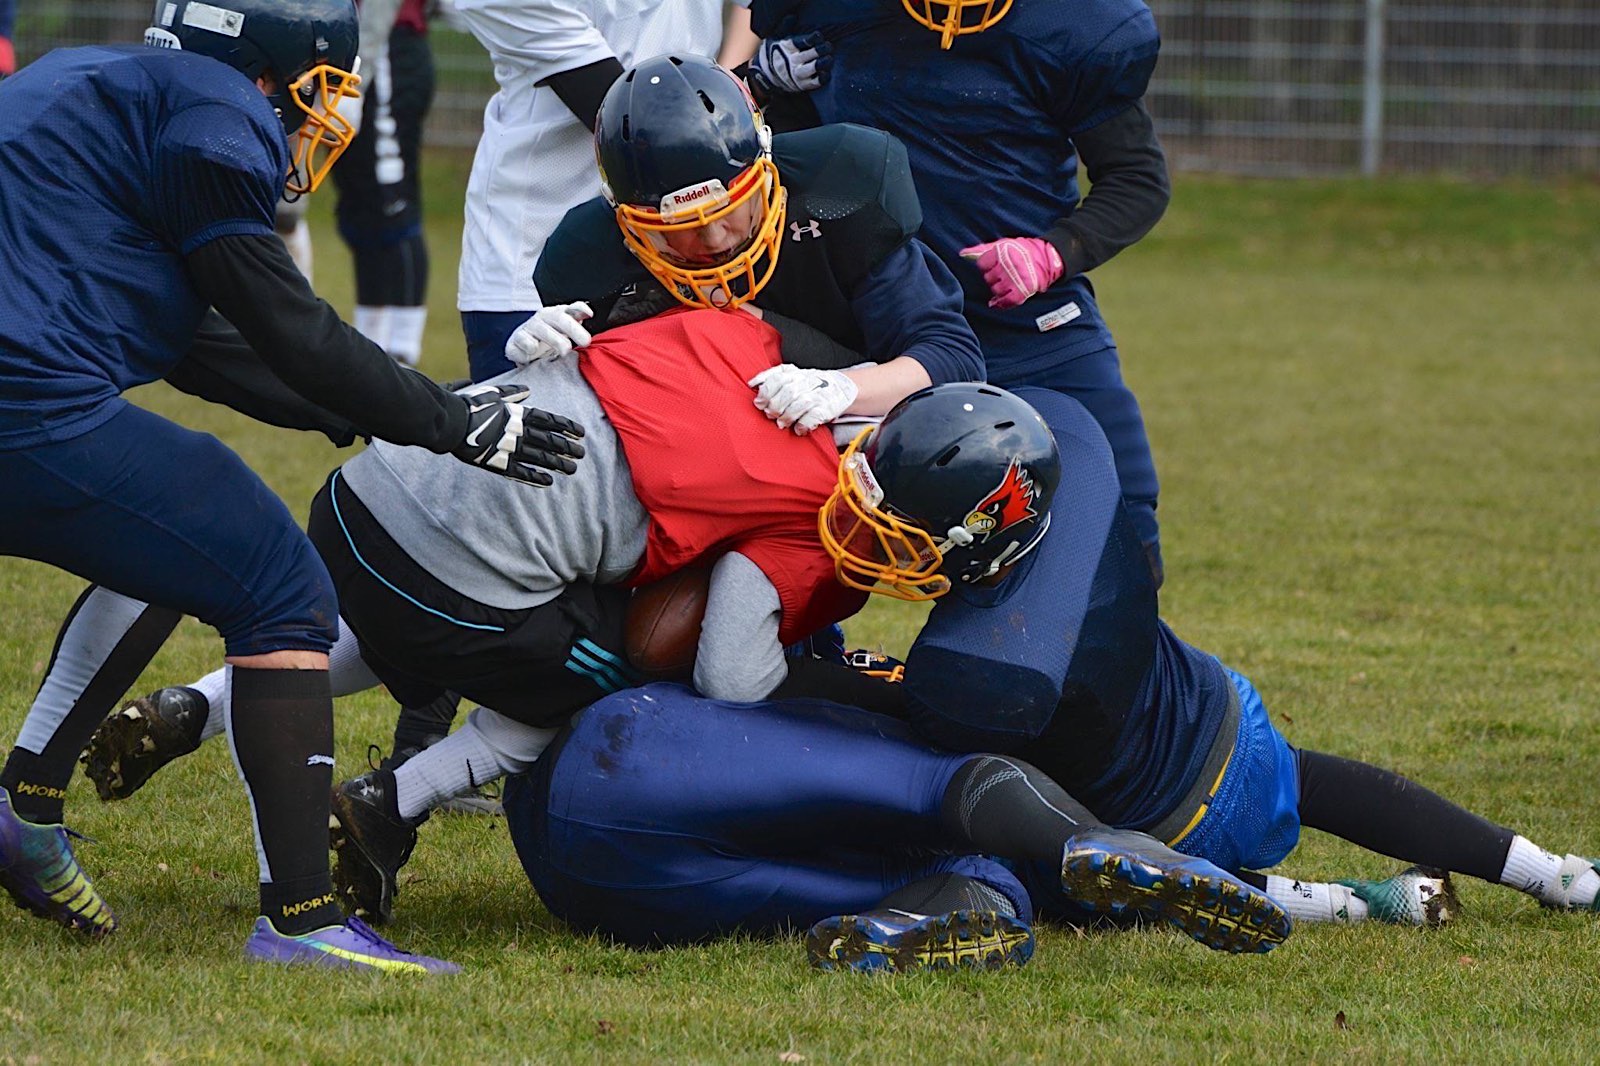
{"x": 38, "y": 869}
{"x": 1122, "y": 872}
{"x": 903, "y": 942}
{"x": 351, "y": 946}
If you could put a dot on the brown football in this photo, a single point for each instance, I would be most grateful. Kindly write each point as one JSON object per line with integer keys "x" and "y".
{"x": 662, "y": 629}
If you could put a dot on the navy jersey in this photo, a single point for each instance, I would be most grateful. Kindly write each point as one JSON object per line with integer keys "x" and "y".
{"x": 1065, "y": 661}
{"x": 988, "y": 127}
{"x": 115, "y": 163}
{"x": 849, "y": 265}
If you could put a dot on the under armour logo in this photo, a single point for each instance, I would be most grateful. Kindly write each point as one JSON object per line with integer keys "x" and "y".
{"x": 811, "y": 227}
{"x": 320, "y": 760}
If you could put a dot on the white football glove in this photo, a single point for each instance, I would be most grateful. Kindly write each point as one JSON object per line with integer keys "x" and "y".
{"x": 792, "y": 64}
{"x": 802, "y": 399}
{"x": 550, "y": 334}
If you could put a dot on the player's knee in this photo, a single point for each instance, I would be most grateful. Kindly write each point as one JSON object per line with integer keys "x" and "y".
{"x": 289, "y": 604}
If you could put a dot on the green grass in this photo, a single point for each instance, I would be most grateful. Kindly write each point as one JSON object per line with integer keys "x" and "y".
{"x": 1374, "y": 408}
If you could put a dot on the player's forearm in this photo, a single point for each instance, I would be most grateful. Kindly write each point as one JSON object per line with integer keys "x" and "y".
{"x": 738, "y": 657}
{"x": 1128, "y": 194}
{"x": 254, "y": 284}
{"x": 882, "y": 386}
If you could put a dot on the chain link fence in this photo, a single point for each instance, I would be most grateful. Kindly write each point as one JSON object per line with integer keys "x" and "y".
{"x": 1244, "y": 86}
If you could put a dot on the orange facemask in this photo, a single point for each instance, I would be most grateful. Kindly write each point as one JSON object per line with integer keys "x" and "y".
{"x": 873, "y": 550}
{"x": 324, "y": 133}
{"x": 954, "y": 22}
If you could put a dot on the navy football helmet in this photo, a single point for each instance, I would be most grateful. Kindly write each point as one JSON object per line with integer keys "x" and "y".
{"x": 953, "y": 485}
{"x": 687, "y": 162}
{"x": 307, "y": 48}
{"x": 956, "y": 18}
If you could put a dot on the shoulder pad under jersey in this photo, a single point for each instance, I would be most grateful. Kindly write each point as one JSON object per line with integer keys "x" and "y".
{"x": 855, "y": 182}
{"x": 585, "y": 259}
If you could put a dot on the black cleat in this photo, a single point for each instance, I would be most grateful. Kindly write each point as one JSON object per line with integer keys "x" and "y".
{"x": 370, "y": 845}
{"x": 131, "y": 745}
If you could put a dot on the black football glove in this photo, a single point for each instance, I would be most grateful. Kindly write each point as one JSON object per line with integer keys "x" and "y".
{"x": 511, "y": 439}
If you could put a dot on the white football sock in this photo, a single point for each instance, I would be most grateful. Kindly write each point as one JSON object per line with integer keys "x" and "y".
{"x": 102, "y": 620}
{"x": 405, "y": 333}
{"x": 1531, "y": 869}
{"x": 1582, "y": 882}
{"x": 298, "y": 241}
{"x": 1315, "y": 901}
{"x": 373, "y": 324}
{"x": 486, "y": 747}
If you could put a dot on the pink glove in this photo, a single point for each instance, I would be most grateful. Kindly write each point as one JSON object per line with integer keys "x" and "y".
{"x": 1016, "y": 268}
{"x": 8, "y": 57}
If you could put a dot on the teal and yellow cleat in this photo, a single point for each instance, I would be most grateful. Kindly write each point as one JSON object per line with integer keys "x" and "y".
{"x": 1120, "y": 872}
{"x": 351, "y": 946}
{"x": 903, "y": 942}
{"x": 1417, "y": 896}
{"x": 38, "y": 869}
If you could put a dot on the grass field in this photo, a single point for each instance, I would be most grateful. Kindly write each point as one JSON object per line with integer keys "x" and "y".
{"x": 1376, "y": 412}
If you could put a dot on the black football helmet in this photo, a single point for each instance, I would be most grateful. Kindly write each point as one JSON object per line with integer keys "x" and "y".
{"x": 681, "y": 147}
{"x": 307, "y": 47}
{"x": 956, "y": 18}
{"x": 953, "y": 485}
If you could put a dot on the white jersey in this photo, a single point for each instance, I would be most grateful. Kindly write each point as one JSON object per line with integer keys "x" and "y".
{"x": 536, "y": 159}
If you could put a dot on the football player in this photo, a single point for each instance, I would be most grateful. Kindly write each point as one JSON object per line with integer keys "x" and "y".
{"x": 517, "y": 600}
{"x": 997, "y": 103}
{"x": 1050, "y": 647}
{"x": 137, "y": 186}
{"x": 661, "y": 816}
{"x": 702, "y": 206}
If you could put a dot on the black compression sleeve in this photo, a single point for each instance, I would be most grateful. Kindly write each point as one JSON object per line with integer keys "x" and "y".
{"x": 582, "y": 88}
{"x": 1384, "y": 812}
{"x": 806, "y": 345}
{"x": 254, "y": 284}
{"x": 1128, "y": 194}
{"x": 222, "y": 368}
{"x": 818, "y": 680}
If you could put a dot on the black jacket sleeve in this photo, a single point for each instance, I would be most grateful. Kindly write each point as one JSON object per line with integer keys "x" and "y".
{"x": 254, "y": 284}
{"x": 1128, "y": 193}
{"x": 582, "y": 88}
{"x": 220, "y": 367}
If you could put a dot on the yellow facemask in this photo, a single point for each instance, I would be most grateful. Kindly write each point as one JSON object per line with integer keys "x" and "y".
{"x": 324, "y": 134}
{"x": 873, "y": 550}
{"x": 954, "y": 21}
{"x": 736, "y": 279}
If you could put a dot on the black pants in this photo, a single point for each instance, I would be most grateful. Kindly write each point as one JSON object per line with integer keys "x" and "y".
{"x": 422, "y": 638}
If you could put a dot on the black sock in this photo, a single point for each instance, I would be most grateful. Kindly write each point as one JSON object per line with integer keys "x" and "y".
{"x": 1253, "y": 879}
{"x": 281, "y": 728}
{"x": 1004, "y": 806}
{"x": 1383, "y": 812}
{"x": 419, "y": 727}
{"x": 946, "y": 892}
{"x": 38, "y": 782}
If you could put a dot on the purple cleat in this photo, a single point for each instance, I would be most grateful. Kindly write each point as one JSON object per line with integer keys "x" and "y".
{"x": 352, "y": 946}
{"x": 39, "y": 870}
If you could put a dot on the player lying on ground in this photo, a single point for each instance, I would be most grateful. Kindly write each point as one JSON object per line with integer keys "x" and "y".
{"x": 1050, "y": 647}
{"x": 139, "y": 185}
{"x": 661, "y": 817}
{"x": 517, "y": 599}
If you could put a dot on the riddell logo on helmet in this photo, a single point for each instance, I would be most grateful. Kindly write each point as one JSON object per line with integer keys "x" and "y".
{"x": 1010, "y": 502}
{"x": 705, "y": 196}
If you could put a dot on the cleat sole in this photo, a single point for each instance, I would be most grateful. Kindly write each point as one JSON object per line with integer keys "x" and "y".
{"x": 961, "y": 940}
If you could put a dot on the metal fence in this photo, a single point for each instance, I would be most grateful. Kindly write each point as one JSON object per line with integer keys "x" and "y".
{"x": 1262, "y": 86}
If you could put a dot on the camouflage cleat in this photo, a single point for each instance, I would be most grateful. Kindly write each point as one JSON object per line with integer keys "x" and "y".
{"x": 1421, "y": 895}
{"x": 38, "y": 869}
{"x": 1122, "y": 872}
{"x": 131, "y": 745}
{"x": 369, "y": 846}
{"x": 351, "y": 946}
{"x": 901, "y": 942}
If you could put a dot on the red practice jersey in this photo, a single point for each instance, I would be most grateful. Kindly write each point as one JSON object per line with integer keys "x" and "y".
{"x": 713, "y": 472}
